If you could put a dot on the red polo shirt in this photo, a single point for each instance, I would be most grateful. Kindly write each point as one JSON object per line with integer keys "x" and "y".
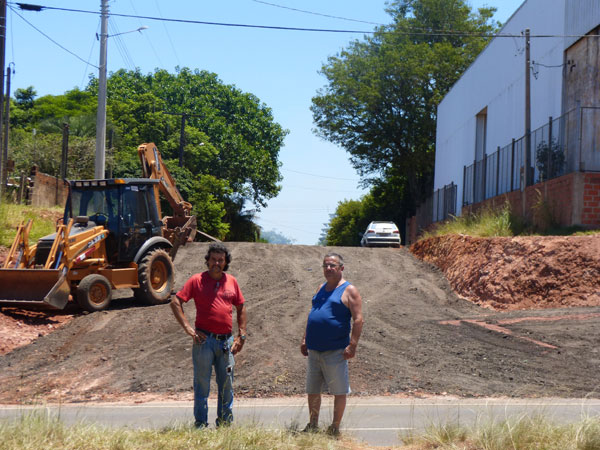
{"x": 213, "y": 299}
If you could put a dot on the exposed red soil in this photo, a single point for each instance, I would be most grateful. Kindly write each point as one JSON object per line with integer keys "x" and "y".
{"x": 518, "y": 273}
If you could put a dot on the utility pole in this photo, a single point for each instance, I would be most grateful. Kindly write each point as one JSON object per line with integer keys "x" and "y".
{"x": 6, "y": 124}
{"x": 3, "y": 163}
{"x": 184, "y": 116}
{"x": 101, "y": 114}
{"x": 527, "y": 160}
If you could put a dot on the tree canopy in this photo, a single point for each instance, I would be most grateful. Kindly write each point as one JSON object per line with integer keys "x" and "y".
{"x": 382, "y": 92}
{"x": 231, "y": 141}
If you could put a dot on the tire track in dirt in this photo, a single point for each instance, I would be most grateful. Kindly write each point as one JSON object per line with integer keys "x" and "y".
{"x": 141, "y": 351}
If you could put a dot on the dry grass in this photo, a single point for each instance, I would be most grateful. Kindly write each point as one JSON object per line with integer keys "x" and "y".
{"x": 41, "y": 430}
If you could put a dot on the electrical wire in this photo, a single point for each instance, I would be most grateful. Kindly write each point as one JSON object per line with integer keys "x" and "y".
{"x": 203, "y": 22}
{"x": 147, "y": 37}
{"x": 437, "y": 33}
{"x": 125, "y": 53}
{"x": 168, "y": 34}
{"x": 50, "y": 39}
{"x": 90, "y": 55}
{"x": 315, "y": 13}
{"x": 320, "y": 176}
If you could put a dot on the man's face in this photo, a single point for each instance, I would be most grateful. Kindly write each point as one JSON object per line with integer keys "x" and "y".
{"x": 216, "y": 262}
{"x": 332, "y": 268}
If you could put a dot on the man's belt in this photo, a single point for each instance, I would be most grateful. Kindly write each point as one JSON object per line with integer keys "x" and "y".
{"x": 218, "y": 337}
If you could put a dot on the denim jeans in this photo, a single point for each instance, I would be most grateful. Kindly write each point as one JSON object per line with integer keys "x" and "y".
{"x": 211, "y": 353}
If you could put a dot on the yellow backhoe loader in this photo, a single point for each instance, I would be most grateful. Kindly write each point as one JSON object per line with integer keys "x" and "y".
{"x": 111, "y": 237}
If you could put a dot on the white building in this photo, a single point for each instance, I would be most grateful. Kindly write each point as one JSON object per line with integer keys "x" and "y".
{"x": 486, "y": 108}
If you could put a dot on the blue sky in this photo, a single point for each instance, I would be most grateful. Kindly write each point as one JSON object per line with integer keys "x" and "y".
{"x": 279, "y": 67}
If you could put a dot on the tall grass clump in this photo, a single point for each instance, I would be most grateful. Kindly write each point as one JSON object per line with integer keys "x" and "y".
{"x": 521, "y": 432}
{"x": 39, "y": 430}
{"x": 485, "y": 223}
{"x": 11, "y": 216}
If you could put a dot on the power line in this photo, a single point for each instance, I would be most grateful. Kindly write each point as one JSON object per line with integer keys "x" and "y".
{"x": 168, "y": 35}
{"x": 437, "y": 33}
{"x": 50, "y": 39}
{"x": 320, "y": 176}
{"x": 315, "y": 13}
{"x": 196, "y": 22}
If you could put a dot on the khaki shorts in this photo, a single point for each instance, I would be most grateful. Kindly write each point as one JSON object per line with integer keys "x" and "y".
{"x": 328, "y": 370}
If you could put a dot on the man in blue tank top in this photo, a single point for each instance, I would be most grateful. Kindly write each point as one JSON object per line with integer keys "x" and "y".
{"x": 330, "y": 341}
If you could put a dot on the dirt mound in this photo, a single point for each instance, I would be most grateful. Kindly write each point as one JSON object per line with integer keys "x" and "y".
{"x": 419, "y": 337}
{"x": 518, "y": 273}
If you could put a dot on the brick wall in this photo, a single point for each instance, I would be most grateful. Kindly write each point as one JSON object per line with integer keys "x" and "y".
{"x": 46, "y": 190}
{"x": 590, "y": 213}
{"x": 573, "y": 199}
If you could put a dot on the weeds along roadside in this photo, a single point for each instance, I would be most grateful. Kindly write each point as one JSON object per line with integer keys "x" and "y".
{"x": 40, "y": 429}
{"x": 504, "y": 223}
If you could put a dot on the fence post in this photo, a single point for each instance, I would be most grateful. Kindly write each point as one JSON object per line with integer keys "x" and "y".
{"x": 474, "y": 181}
{"x": 549, "y": 172}
{"x": 484, "y": 177}
{"x": 464, "y": 185}
{"x": 497, "y": 170}
{"x": 512, "y": 165}
{"x": 579, "y": 133}
{"x": 21, "y": 188}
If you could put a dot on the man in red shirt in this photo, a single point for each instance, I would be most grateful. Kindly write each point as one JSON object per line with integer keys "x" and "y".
{"x": 215, "y": 293}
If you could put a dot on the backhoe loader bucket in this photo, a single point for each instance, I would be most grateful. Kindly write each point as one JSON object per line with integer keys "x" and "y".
{"x": 34, "y": 288}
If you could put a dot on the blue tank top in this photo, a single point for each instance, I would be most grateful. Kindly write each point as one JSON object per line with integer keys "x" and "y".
{"x": 328, "y": 325}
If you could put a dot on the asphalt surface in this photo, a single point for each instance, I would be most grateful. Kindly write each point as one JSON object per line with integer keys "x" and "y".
{"x": 378, "y": 421}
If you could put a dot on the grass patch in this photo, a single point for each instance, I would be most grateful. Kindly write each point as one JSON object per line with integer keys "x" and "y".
{"x": 502, "y": 222}
{"x": 39, "y": 430}
{"x": 486, "y": 223}
{"x": 11, "y": 215}
{"x": 520, "y": 432}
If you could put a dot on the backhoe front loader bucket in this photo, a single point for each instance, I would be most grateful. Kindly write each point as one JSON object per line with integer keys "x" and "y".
{"x": 34, "y": 288}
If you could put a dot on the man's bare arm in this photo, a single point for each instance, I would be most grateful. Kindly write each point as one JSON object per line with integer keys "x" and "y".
{"x": 242, "y": 319}
{"x": 177, "y": 309}
{"x": 355, "y": 306}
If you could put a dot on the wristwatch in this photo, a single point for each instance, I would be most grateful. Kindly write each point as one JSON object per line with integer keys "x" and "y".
{"x": 243, "y": 337}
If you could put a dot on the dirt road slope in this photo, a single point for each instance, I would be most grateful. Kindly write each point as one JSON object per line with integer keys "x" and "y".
{"x": 419, "y": 337}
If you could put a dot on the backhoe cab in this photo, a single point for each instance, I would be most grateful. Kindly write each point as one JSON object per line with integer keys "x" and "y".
{"x": 111, "y": 237}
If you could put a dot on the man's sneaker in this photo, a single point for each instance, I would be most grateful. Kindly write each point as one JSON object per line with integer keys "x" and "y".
{"x": 310, "y": 428}
{"x": 333, "y": 431}
{"x": 200, "y": 425}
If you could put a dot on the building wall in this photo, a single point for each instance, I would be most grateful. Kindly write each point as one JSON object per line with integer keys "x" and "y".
{"x": 496, "y": 81}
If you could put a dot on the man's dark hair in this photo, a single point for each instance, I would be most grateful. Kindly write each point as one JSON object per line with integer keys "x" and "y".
{"x": 219, "y": 247}
{"x": 335, "y": 255}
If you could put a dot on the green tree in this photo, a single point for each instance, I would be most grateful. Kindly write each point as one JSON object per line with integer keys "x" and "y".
{"x": 230, "y": 136}
{"x": 382, "y": 93}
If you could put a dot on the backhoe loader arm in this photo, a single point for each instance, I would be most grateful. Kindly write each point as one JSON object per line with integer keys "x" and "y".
{"x": 154, "y": 168}
{"x": 182, "y": 227}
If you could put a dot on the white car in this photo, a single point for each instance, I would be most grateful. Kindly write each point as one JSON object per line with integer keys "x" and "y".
{"x": 381, "y": 234}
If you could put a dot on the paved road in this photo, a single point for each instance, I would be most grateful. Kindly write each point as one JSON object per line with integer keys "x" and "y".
{"x": 379, "y": 421}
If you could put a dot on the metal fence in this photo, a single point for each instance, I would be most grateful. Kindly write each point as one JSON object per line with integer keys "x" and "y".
{"x": 567, "y": 144}
{"x": 444, "y": 202}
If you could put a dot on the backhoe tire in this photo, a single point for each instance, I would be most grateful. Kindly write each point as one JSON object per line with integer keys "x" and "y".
{"x": 155, "y": 275}
{"x": 94, "y": 293}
